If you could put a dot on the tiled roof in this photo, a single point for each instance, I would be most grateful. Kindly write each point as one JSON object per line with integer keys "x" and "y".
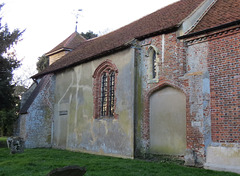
{"x": 163, "y": 20}
{"x": 222, "y": 12}
{"x": 69, "y": 43}
{"x": 34, "y": 94}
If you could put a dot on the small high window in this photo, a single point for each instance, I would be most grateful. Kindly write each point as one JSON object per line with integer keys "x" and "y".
{"x": 153, "y": 64}
{"x": 104, "y": 90}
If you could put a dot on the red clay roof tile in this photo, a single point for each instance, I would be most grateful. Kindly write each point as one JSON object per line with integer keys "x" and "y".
{"x": 69, "y": 43}
{"x": 162, "y": 20}
{"x": 222, "y": 12}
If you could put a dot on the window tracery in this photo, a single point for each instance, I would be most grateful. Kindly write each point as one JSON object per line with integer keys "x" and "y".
{"x": 104, "y": 90}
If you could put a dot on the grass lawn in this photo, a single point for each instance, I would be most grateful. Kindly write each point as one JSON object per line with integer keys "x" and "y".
{"x": 41, "y": 161}
{"x": 3, "y": 142}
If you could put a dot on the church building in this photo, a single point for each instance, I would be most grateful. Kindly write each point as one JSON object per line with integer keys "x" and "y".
{"x": 166, "y": 84}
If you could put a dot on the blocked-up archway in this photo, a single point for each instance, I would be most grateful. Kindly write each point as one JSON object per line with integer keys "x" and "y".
{"x": 168, "y": 122}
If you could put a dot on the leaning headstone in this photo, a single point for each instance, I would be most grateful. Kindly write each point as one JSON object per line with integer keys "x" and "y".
{"x": 190, "y": 158}
{"x": 16, "y": 144}
{"x": 68, "y": 171}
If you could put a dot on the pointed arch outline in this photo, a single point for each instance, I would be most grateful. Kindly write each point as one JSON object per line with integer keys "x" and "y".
{"x": 105, "y": 67}
{"x": 153, "y": 63}
{"x": 146, "y": 116}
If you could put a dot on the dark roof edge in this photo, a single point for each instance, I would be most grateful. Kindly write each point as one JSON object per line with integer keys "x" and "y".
{"x": 34, "y": 94}
{"x": 234, "y": 23}
{"x": 57, "y": 51}
{"x": 105, "y": 53}
{"x": 163, "y": 31}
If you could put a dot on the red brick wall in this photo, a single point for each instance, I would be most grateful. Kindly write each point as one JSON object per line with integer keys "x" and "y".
{"x": 224, "y": 68}
{"x": 207, "y": 69}
{"x": 171, "y": 73}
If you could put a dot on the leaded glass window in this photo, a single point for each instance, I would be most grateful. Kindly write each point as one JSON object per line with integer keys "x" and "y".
{"x": 107, "y": 94}
{"x": 104, "y": 96}
{"x": 104, "y": 86}
{"x": 154, "y": 65}
{"x": 111, "y": 94}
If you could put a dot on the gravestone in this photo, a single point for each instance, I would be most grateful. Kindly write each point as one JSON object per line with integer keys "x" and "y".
{"x": 68, "y": 171}
{"x": 16, "y": 144}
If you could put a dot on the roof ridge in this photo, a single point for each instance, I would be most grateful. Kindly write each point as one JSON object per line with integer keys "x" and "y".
{"x": 135, "y": 21}
{"x": 201, "y": 17}
{"x": 163, "y": 20}
{"x": 69, "y": 39}
{"x": 221, "y": 13}
{"x": 65, "y": 44}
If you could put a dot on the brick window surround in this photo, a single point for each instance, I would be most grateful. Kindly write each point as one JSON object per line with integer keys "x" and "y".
{"x": 153, "y": 62}
{"x": 104, "y": 71}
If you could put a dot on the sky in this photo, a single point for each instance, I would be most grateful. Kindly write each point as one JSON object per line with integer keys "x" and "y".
{"x": 49, "y": 22}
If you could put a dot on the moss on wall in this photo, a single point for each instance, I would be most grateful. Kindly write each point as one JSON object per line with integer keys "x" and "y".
{"x": 74, "y": 94}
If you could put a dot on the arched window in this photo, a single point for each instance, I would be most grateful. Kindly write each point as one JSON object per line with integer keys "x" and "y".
{"x": 104, "y": 94}
{"x": 153, "y": 63}
{"x": 107, "y": 94}
{"x": 104, "y": 90}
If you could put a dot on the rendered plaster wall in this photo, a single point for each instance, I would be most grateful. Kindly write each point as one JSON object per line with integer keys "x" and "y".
{"x": 74, "y": 125}
{"x": 168, "y": 122}
{"x": 199, "y": 97}
{"x": 36, "y": 125}
{"x": 223, "y": 158}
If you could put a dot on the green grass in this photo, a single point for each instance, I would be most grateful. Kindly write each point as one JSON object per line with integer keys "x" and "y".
{"x": 3, "y": 139}
{"x": 41, "y": 161}
{"x": 3, "y": 142}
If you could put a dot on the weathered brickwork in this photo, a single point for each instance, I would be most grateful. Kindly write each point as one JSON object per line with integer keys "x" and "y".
{"x": 223, "y": 65}
{"x": 214, "y": 58}
{"x": 172, "y": 72}
{"x": 207, "y": 71}
{"x": 156, "y": 86}
{"x": 224, "y": 68}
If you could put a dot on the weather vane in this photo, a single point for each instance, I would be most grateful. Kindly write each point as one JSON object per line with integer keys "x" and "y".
{"x": 76, "y": 13}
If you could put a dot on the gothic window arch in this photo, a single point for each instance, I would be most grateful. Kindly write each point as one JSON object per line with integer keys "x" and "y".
{"x": 153, "y": 62}
{"x": 104, "y": 90}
